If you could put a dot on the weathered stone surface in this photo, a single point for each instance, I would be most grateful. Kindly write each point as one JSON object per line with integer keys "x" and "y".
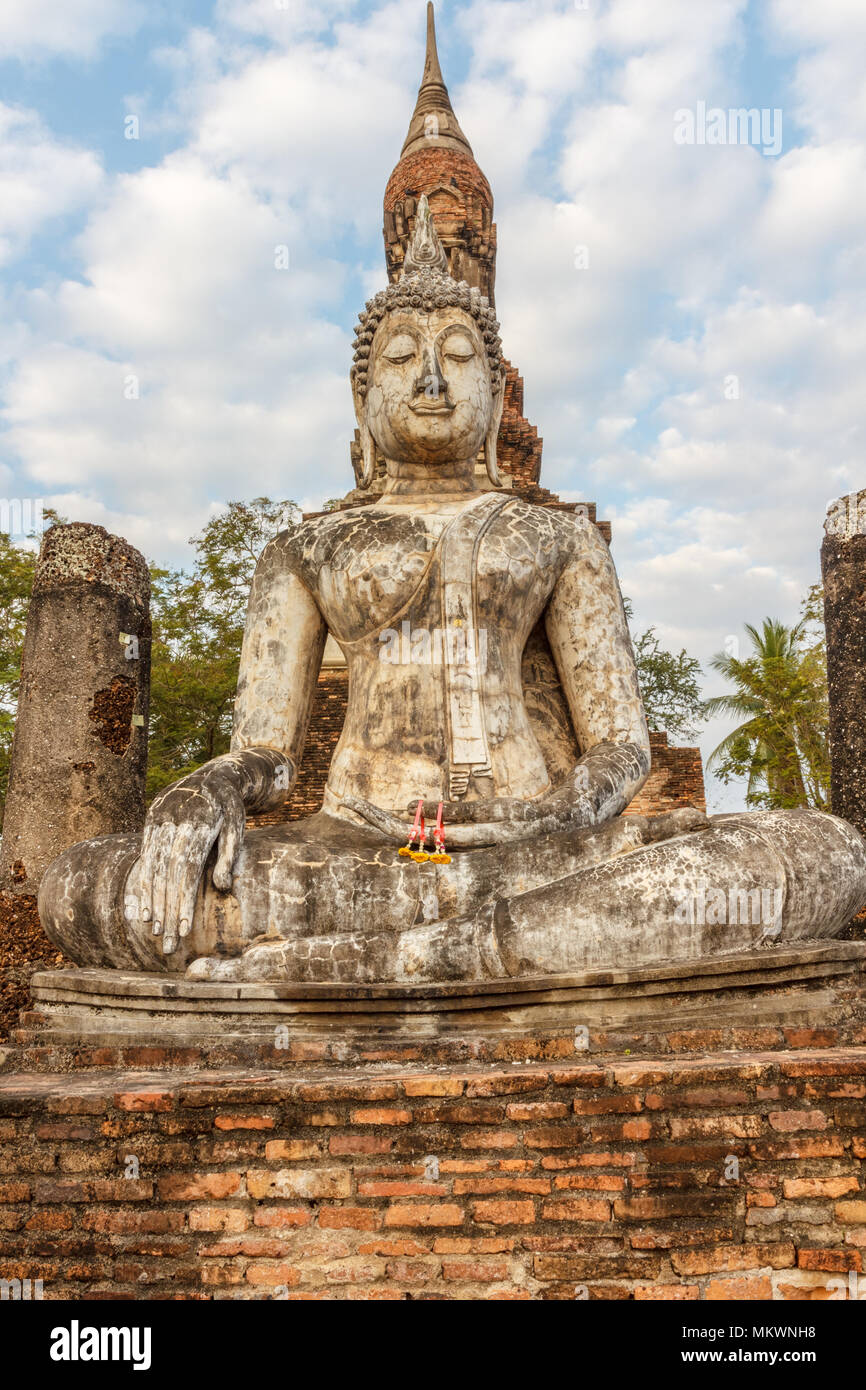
{"x": 80, "y": 747}
{"x": 843, "y": 566}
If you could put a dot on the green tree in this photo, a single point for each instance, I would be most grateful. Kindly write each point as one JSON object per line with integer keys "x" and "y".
{"x": 781, "y": 745}
{"x": 17, "y": 568}
{"x": 198, "y": 628}
{"x": 669, "y": 684}
{"x": 16, "y": 581}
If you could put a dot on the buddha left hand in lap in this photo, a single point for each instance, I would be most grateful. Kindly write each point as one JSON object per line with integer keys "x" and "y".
{"x": 432, "y": 593}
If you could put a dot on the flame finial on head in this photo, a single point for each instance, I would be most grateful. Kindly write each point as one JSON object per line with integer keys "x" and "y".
{"x": 425, "y": 251}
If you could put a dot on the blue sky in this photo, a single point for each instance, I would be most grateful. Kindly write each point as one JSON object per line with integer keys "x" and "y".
{"x": 265, "y": 123}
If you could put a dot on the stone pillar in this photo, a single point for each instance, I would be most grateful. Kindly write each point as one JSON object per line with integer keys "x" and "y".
{"x": 843, "y": 566}
{"x": 79, "y": 753}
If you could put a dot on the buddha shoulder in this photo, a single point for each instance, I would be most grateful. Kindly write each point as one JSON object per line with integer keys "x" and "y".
{"x": 555, "y": 537}
{"x": 353, "y": 539}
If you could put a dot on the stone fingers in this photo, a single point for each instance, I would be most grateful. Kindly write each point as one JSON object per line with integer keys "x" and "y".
{"x": 394, "y": 826}
{"x": 146, "y": 864}
{"x": 191, "y": 847}
{"x": 157, "y": 875}
{"x": 230, "y": 837}
{"x": 469, "y": 812}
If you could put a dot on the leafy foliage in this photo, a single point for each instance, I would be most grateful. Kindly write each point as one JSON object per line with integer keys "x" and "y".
{"x": 669, "y": 684}
{"x": 781, "y": 745}
{"x": 198, "y": 628}
{"x": 17, "y": 568}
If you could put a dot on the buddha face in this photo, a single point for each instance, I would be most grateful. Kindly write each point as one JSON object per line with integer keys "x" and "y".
{"x": 429, "y": 398}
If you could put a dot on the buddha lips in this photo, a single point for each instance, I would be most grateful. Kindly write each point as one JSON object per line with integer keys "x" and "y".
{"x": 418, "y": 835}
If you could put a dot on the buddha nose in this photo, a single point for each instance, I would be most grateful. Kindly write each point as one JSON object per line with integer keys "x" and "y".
{"x": 431, "y": 382}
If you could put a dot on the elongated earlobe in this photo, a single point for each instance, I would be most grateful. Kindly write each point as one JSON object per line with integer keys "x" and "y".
{"x": 366, "y": 440}
{"x": 368, "y": 456}
{"x": 490, "y": 460}
{"x": 492, "y": 434}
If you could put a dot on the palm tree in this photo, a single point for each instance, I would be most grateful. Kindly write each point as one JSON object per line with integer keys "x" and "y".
{"x": 781, "y": 747}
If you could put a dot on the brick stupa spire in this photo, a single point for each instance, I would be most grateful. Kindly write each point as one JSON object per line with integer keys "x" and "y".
{"x": 437, "y": 161}
{"x": 433, "y": 117}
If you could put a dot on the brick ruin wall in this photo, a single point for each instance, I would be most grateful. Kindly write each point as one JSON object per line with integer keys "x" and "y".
{"x": 676, "y": 779}
{"x": 732, "y": 1176}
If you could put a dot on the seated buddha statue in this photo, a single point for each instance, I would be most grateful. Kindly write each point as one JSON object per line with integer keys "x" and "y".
{"x": 433, "y": 591}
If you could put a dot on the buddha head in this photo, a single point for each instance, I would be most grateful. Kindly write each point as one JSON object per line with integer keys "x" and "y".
{"x": 427, "y": 378}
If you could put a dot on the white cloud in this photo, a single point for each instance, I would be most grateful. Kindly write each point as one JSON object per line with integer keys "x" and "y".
{"x": 40, "y": 178}
{"x": 73, "y": 28}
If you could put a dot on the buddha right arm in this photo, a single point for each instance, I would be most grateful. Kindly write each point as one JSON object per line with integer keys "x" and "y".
{"x": 282, "y": 652}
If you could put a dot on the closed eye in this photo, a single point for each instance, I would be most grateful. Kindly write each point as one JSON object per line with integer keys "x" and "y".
{"x": 458, "y": 348}
{"x": 400, "y": 349}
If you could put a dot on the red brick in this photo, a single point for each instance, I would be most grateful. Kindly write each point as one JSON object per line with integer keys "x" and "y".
{"x": 187, "y": 1186}
{"x": 698, "y": 1099}
{"x": 667, "y": 1293}
{"x": 434, "y": 1086}
{"x": 282, "y": 1216}
{"x": 829, "y": 1260}
{"x": 598, "y": 1182}
{"x": 811, "y": 1037}
{"x": 473, "y": 1245}
{"x": 144, "y": 1100}
{"x": 489, "y": 1139}
{"x": 739, "y": 1290}
{"x": 360, "y": 1144}
{"x": 789, "y": 1121}
{"x": 393, "y": 1247}
{"x": 272, "y": 1275}
{"x": 399, "y": 1189}
{"x": 310, "y": 1184}
{"x": 537, "y": 1110}
{"x": 777, "y": 1255}
{"x": 659, "y": 1208}
{"x": 349, "y": 1090}
{"x": 14, "y": 1192}
{"x": 292, "y": 1149}
{"x": 504, "y": 1213}
{"x": 374, "y": 1116}
{"x": 244, "y": 1122}
{"x": 353, "y": 1218}
{"x": 506, "y": 1083}
{"x": 820, "y": 1187}
{"x": 697, "y": 1040}
{"x": 577, "y": 1209}
{"x": 412, "y": 1271}
{"x": 218, "y": 1219}
{"x": 830, "y": 1147}
{"x": 422, "y": 1215}
{"x": 481, "y": 1113}
{"x": 607, "y": 1105}
{"x": 59, "y": 1130}
{"x": 475, "y": 1271}
{"x": 485, "y": 1185}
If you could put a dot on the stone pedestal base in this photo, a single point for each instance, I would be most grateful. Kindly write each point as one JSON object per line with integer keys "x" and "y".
{"x": 111, "y": 1018}
{"x": 676, "y": 1133}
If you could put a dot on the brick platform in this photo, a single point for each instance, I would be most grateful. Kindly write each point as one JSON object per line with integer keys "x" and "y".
{"x": 607, "y": 1180}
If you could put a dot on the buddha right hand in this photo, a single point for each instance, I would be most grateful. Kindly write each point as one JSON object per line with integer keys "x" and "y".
{"x": 185, "y": 821}
{"x": 182, "y": 825}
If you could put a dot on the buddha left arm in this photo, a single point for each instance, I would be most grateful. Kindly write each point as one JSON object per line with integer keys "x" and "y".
{"x": 590, "y": 642}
